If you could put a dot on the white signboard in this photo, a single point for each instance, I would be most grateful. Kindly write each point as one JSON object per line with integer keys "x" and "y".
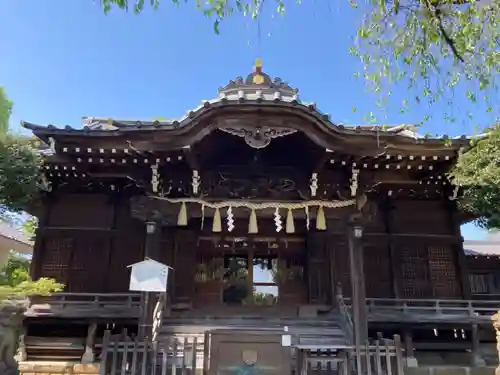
{"x": 148, "y": 276}
{"x": 286, "y": 340}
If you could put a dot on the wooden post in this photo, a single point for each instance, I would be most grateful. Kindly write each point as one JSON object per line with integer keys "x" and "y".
{"x": 411, "y": 361}
{"x": 496, "y": 325}
{"x": 147, "y": 303}
{"x": 476, "y": 360}
{"x": 88, "y": 356}
{"x": 358, "y": 290}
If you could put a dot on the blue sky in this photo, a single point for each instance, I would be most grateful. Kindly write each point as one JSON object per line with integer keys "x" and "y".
{"x": 68, "y": 60}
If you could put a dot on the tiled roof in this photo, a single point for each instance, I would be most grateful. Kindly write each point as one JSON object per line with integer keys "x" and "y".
{"x": 8, "y": 231}
{"x": 258, "y": 89}
{"x": 490, "y": 246}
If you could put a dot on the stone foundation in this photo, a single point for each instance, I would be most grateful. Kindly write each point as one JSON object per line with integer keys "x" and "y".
{"x": 54, "y": 368}
{"x": 450, "y": 370}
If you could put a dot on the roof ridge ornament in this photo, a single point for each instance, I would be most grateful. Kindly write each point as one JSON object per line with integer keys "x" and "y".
{"x": 258, "y": 78}
{"x": 259, "y": 86}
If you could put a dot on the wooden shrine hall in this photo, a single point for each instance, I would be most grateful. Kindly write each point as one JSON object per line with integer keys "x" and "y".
{"x": 275, "y": 221}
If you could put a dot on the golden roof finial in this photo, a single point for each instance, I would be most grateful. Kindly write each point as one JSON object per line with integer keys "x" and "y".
{"x": 258, "y": 65}
{"x": 258, "y": 78}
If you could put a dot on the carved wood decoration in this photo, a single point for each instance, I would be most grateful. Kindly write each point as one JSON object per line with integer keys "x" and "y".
{"x": 233, "y": 183}
{"x": 258, "y": 136}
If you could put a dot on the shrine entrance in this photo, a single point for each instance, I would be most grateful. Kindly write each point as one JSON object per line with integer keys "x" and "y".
{"x": 241, "y": 352}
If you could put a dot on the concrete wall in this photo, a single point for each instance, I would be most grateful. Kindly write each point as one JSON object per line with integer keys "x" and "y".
{"x": 8, "y": 244}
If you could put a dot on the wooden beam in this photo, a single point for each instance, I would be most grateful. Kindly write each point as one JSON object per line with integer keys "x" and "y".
{"x": 191, "y": 158}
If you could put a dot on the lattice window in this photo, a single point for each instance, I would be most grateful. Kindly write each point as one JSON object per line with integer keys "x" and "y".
{"x": 414, "y": 274}
{"x": 89, "y": 256}
{"x": 487, "y": 283}
{"x": 443, "y": 270}
{"x": 56, "y": 257}
{"x": 377, "y": 271}
{"x": 479, "y": 284}
{"x": 339, "y": 251}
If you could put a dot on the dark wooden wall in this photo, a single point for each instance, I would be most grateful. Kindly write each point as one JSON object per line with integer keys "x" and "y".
{"x": 86, "y": 242}
{"x": 484, "y": 276}
{"x": 412, "y": 249}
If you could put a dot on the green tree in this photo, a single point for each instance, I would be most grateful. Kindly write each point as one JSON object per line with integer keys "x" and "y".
{"x": 431, "y": 46}
{"x": 19, "y": 164}
{"x": 15, "y": 271}
{"x": 477, "y": 172}
{"x": 19, "y": 172}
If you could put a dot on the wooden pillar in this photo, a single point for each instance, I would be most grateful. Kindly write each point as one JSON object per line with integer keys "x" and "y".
{"x": 411, "y": 361}
{"x": 476, "y": 360}
{"x": 39, "y": 247}
{"x": 355, "y": 233}
{"x": 147, "y": 301}
{"x": 88, "y": 356}
{"x": 392, "y": 247}
{"x": 461, "y": 261}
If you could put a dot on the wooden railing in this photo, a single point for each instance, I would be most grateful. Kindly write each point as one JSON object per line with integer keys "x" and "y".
{"x": 380, "y": 357}
{"x": 128, "y": 356}
{"x": 158, "y": 316}
{"x": 102, "y": 304}
{"x": 345, "y": 315}
{"x": 430, "y": 310}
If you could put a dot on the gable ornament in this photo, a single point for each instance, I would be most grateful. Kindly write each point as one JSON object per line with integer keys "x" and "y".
{"x": 258, "y": 136}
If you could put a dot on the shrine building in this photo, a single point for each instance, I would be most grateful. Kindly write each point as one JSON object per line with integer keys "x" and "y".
{"x": 273, "y": 218}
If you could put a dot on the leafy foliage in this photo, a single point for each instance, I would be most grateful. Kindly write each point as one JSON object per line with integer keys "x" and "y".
{"x": 16, "y": 284}
{"x": 19, "y": 168}
{"x": 30, "y": 226}
{"x": 19, "y": 164}
{"x": 478, "y": 173}
{"x": 15, "y": 271}
{"x": 5, "y": 111}
{"x": 431, "y": 46}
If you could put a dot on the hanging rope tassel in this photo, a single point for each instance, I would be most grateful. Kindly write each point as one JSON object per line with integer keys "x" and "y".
{"x": 252, "y": 223}
{"x": 320, "y": 219}
{"x": 290, "y": 225}
{"x": 182, "y": 219}
{"x": 217, "y": 225}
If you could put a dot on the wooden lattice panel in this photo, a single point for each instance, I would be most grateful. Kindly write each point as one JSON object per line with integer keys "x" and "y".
{"x": 127, "y": 247}
{"x": 443, "y": 272}
{"x": 90, "y": 257}
{"x": 413, "y": 275}
{"x": 377, "y": 268}
{"x": 339, "y": 251}
{"x": 56, "y": 256}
